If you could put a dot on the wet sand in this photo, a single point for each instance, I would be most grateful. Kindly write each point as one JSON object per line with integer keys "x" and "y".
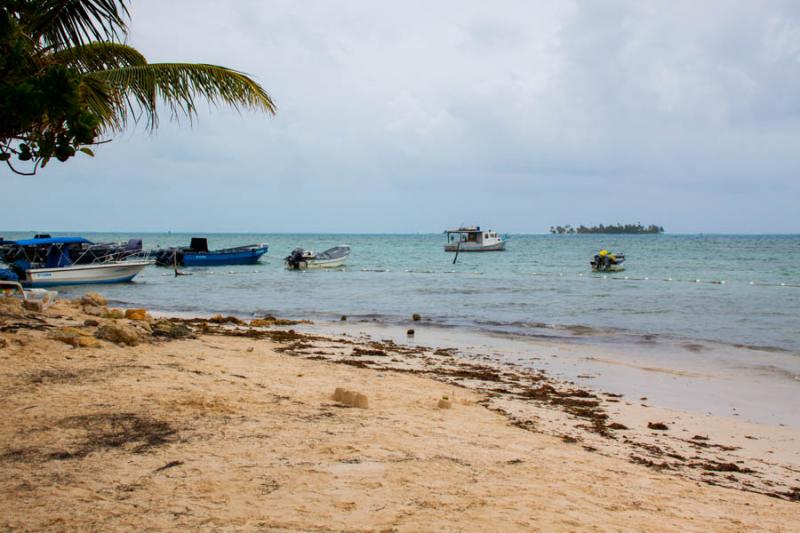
{"x": 216, "y": 424}
{"x": 705, "y": 378}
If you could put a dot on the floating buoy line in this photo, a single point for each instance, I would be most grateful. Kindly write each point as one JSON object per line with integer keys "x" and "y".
{"x": 610, "y": 277}
{"x": 673, "y": 280}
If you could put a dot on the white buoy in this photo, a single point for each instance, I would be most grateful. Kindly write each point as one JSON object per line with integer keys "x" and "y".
{"x": 646, "y": 279}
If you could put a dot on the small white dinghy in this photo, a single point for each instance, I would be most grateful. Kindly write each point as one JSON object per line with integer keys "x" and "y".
{"x": 301, "y": 259}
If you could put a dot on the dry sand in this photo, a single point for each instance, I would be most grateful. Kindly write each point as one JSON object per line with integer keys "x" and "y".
{"x": 237, "y": 429}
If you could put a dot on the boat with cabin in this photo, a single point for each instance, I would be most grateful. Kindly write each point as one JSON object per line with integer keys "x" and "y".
{"x": 473, "y": 239}
{"x": 198, "y": 254}
{"x": 32, "y": 268}
{"x": 301, "y": 259}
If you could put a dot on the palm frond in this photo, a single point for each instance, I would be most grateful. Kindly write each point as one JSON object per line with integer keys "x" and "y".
{"x": 98, "y": 56}
{"x": 68, "y": 23}
{"x": 105, "y": 103}
{"x": 177, "y": 85}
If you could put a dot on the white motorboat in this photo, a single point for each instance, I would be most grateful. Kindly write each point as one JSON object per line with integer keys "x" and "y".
{"x": 473, "y": 239}
{"x": 49, "y": 262}
{"x": 301, "y": 259}
{"x": 109, "y": 272}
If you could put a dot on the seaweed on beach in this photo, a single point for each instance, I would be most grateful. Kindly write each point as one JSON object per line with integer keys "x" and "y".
{"x": 101, "y": 431}
{"x": 368, "y": 351}
{"x": 52, "y": 375}
{"x": 219, "y": 319}
{"x": 479, "y": 373}
{"x": 358, "y": 363}
{"x": 793, "y": 494}
{"x": 294, "y": 347}
{"x": 171, "y": 329}
{"x": 114, "y": 430}
{"x": 650, "y": 463}
{"x": 715, "y": 466}
{"x": 577, "y": 402}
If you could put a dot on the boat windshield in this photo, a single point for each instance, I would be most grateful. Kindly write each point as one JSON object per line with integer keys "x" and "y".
{"x": 463, "y": 236}
{"x": 334, "y": 253}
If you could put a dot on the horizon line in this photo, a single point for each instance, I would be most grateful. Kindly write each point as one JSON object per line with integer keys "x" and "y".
{"x": 185, "y": 232}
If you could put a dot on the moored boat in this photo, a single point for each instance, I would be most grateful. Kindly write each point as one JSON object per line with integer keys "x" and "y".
{"x": 57, "y": 267}
{"x": 605, "y": 261}
{"x": 473, "y": 239}
{"x": 301, "y": 259}
{"x": 80, "y": 250}
{"x": 198, "y": 254}
{"x": 110, "y": 272}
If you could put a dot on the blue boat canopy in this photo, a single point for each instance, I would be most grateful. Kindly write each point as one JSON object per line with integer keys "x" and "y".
{"x": 50, "y": 240}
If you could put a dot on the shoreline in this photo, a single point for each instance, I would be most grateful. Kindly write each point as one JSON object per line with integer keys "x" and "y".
{"x": 579, "y": 334}
{"x": 693, "y": 375}
{"x": 582, "y": 425}
{"x": 711, "y": 384}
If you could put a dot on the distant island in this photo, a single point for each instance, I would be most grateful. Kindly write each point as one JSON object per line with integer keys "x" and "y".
{"x": 614, "y": 228}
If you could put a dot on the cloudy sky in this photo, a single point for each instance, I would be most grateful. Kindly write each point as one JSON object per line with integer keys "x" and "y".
{"x": 414, "y": 116}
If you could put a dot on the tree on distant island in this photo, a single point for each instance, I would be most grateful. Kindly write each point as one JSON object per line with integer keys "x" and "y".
{"x": 614, "y": 228}
{"x": 67, "y": 79}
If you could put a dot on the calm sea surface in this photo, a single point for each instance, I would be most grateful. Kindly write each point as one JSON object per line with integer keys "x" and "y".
{"x": 728, "y": 288}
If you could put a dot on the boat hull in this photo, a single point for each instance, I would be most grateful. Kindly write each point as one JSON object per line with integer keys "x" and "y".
{"x": 118, "y": 272}
{"x": 612, "y": 268}
{"x": 608, "y": 268}
{"x": 475, "y": 247}
{"x": 316, "y": 263}
{"x": 238, "y": 257}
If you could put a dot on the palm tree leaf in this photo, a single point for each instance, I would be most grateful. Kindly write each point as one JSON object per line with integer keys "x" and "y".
{"x": 177, "y": 85}
{"x": 67, "y": 23}
{"x": 105, "y": 103}
{"x": 98, "y": 55}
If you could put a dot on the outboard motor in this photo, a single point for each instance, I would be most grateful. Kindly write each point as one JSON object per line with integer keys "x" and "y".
{"x": 295, "y": 258}
{"x": 134, "y": 246}
{"x": 169, "y": 257}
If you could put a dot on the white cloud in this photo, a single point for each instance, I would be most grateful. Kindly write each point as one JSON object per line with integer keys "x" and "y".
{"x": 517, "y": 114}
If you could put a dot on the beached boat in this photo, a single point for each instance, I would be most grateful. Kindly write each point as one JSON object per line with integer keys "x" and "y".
{"x": 473, "y": 239}
{"x": 605, "y": 261}
{"x": 301, "y": 259}
{"x": 198, "y": 254}
{"x": 57, "y": 266}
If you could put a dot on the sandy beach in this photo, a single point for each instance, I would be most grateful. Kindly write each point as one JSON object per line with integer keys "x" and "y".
{"x": 218, "y": 424}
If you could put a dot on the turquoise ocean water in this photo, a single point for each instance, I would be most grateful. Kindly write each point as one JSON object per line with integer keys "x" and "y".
{"x": 742, "y": 290}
